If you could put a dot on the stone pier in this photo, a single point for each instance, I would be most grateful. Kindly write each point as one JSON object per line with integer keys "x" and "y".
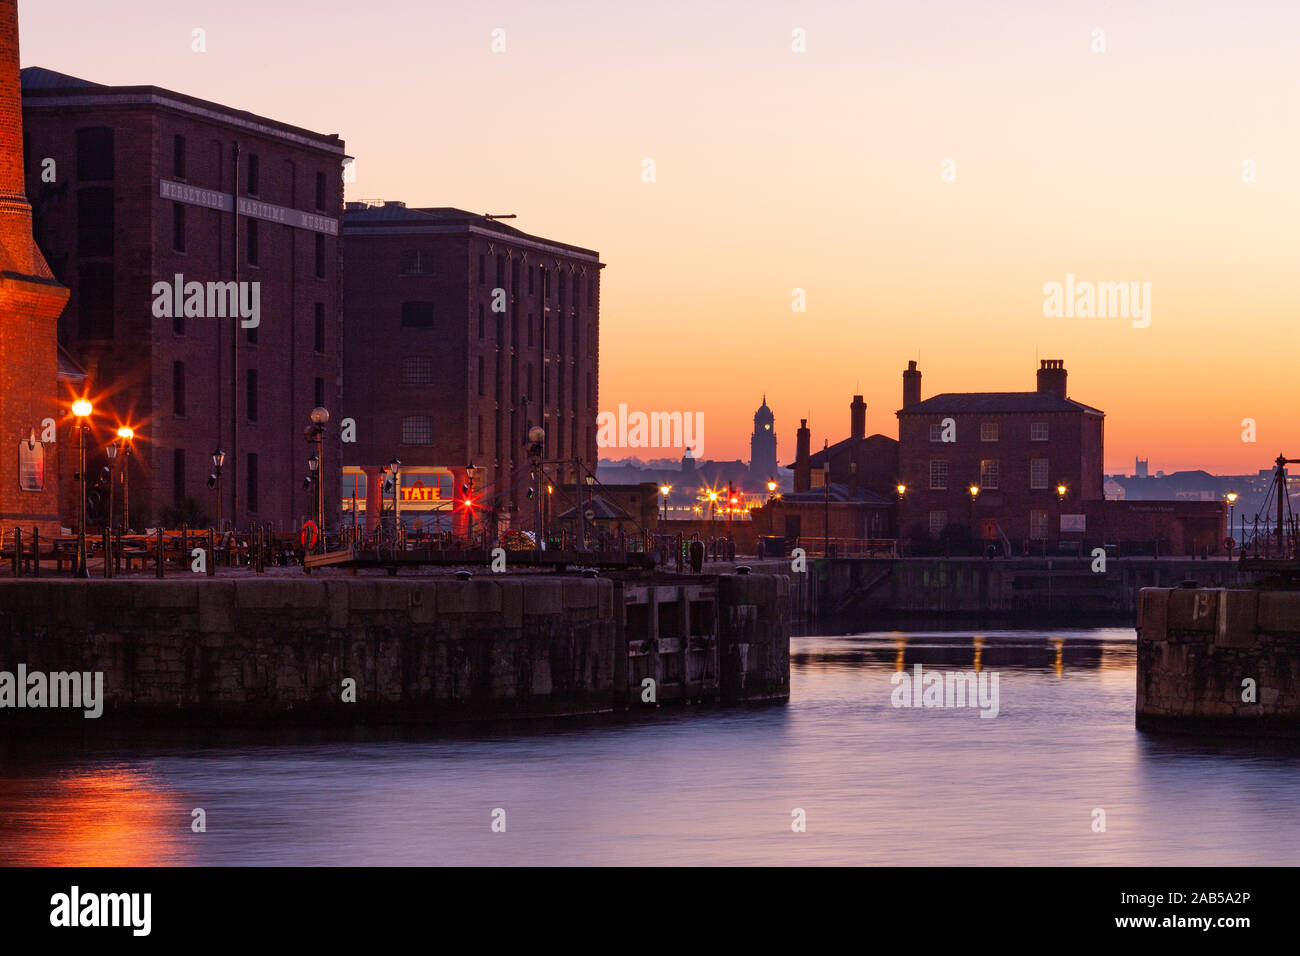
{"x": 1219, "y": 661}
{"x": 417, "y": 649}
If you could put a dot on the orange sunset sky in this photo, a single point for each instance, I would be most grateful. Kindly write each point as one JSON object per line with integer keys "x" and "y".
{"x": 821, "y": 170}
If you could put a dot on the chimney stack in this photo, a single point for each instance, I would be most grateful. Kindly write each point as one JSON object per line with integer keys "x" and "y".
{"x": 858, "y": 418}
{"x": 911, "y": 385}
{"x": 802, "y": 457}
{"x": 1051, "y": 377}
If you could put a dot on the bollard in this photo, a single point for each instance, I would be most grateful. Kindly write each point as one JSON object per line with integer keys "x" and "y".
{"x": 36, "y": 551}
{"x": 212, "y": 552}
{"x": 18, "y": 552}
{"x": 159, "y": 571}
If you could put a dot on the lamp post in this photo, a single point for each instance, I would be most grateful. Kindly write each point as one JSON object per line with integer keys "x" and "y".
{"x": 110, "y": 450}
{"x": 713, "y": 501}
{"x": 395, "y": 467}
{"x": 126, "y": 433}
{"x": 82, "y": 409}
{"x": 771, "y": 489}
{"x": 536, "y": 436}
{"x": 319, "y": 417}
{"x": 1232, "y": 510}
{"x": 1061, "y": 489}
{"x": 469, "y": 499}
{"x": 218, "y": 461}
{"x": 313, "y": 466}
{"x": 590, "y": 480}
{"x": 898, "y": 522}
{"x": 663, "y": 490}
{"x": 974, "y": 493}
{"x": 826, "y": 484}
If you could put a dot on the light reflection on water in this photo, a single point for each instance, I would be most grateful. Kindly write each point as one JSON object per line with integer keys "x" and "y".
{"x": 879, "y": 785}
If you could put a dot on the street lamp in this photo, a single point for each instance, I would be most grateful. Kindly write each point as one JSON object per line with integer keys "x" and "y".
{"x": 713, "y": 500}
{"x": 590, "y": 481}
{"x": 974, "y": 490}
{"x": 536, "y": 437}
{"x": 218, "y": 461}
{"x": 82, "y": 409}
{"x": 470, "y": 470}
{"x": 663, "y": 490}
{"x": 126, "y": 433}
{"x": 826, "y": 483}
{"x": 319, "y": 417}
{"x": 110, "y": 450}
{"x": 1232, "y": 510}
{"x": 395, "y": 467}
{"x": 771, "y": 489}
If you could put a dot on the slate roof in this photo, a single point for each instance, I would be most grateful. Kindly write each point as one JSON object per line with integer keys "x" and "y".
{"x": 359, "y": 214}
{"x": 984, "y": 403}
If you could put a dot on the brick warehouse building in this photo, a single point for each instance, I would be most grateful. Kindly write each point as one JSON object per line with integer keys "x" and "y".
{"x": 30, "y": 303}
{"x": 135, "y": 185}
{"x": 1017, "y": 448}
{"x": 437, "y": 378}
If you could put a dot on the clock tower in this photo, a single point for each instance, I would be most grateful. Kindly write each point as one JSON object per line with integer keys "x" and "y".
{"x": 762, "y": 445}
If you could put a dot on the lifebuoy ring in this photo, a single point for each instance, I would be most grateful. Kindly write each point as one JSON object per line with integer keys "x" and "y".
{"x": 315, "y": 536}
{"x": 1229, "y": 543}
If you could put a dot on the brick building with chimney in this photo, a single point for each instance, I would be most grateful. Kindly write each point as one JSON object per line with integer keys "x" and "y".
{"x": 134, "y": 186}
{"x": 1008, "y": 467}
{"x": 30, "y": 303}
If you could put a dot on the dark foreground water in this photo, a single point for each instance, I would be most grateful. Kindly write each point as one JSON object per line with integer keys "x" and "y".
{"x": 878, "y": 784}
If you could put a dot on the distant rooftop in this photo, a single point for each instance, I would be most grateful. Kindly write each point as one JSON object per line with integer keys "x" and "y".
{"x": 996, "y": 402}
{"x": 381, "y": 213}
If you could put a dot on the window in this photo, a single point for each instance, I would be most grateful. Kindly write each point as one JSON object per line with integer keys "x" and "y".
{"x": 416, "y": 262}
{"x": 320, "y": 256}
{"x": 178, "y": 475}
{"x": 1038, "y": 431}
{"x": 479, "y": 431}
{"x": 320, "y": 327}
{"x": 530, "y": 280}
{"x": 936, "y": 433}
{"x": 95, "y": 222}
{"x": 482, "y": 269}
{"x": 95, "y": 154}
{"x": 480, "y": 375}
{"x": 530, "y": 328}
{"x": 591, "y": 291}
{"x": 95, "y": 305}
{"x": 178, "y": 388}
{"x": 320, "y": 392}
{"x": 417, "y": 430}
{"x": 254, "y": 174}
{"x": 501, "y": 271}
{"x": 1038, "y": 525}
{"x": 250, "y": 486}
{"x": 417, "y": 370}
{"x": 178, "y": 226}
{"x": 252, "y": 241}
{"x": 178, "y": 156}
{"x": 250, "y": 395}
{"x": 1038, "y": 473}
{"x": 988, "y": 431}
{"x": 938, "y": 521}
{"x": 320, "y": 190}
{"x": 938, "y": 474}
{"x": 480, "y": 320}
{"x": 989, "y": 474}
{"x": 417, "y": 315}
